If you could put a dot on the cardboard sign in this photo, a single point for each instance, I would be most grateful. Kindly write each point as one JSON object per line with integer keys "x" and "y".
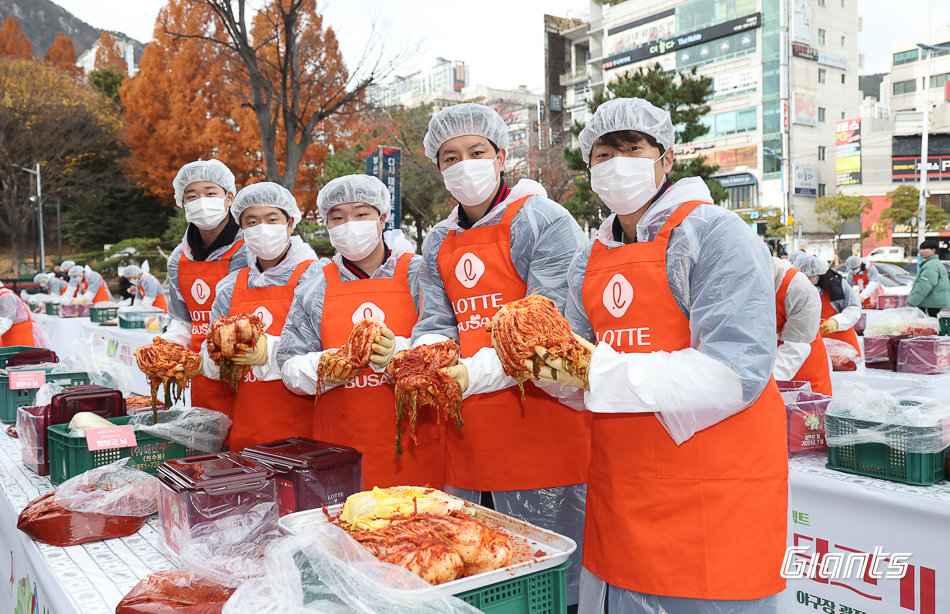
{"x": 25, "y": 380}
{"x": 110, "y": 437}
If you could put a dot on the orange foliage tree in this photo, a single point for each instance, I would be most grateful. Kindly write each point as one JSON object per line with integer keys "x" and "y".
{"x": 13, "y": 42}
{"x": 108, "y": 53}
{"x": 62, "y": 55}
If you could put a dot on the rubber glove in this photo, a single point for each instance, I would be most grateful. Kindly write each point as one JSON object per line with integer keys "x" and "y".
{"x": 257, "y": 355}
{"x": 552, "y": 369}
{"x": 828, "y": 326}
{"x": 459, "y": 373}
{"x": 384, "y": 348}
{"x": 338, "y": 370}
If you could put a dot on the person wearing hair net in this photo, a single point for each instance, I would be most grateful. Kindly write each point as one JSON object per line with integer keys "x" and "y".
{"x": 17, "y": 326}
{"x": 794, "y": 255}
{"x": 54, "y": 284}
{"x": 865, "y": 277}
{"x": 212, "y": 247}
{"x": 87, "y": 286}
{"x": 801, "y": 354}
{"x": 62, "y": 270}
{"x": 263, "y": 408}
{"x": 679, "y": 295}
{"x": 501, "y": 243}
{"x": 148, "y": 289}
{"x": 373, "y": 275}
{"x": 840, "y": 305}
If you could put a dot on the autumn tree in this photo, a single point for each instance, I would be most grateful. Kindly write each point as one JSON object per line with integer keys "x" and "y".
{"x": 14, "y": 43}
{"x": 62, "y": 55}
{"x": 47, "y": 117}
{"x": 905, "y": 206}
{"x": 108, "y": 54}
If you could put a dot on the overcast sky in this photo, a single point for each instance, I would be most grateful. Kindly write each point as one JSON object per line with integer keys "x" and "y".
{"x": 500, "y": 40}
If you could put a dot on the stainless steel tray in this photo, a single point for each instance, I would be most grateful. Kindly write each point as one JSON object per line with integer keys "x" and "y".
{"x": 554, "y": 548}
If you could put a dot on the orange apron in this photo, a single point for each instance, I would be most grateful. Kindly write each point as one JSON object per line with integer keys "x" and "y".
{"x": 21, "y": 333}
{"x": 362, "y": 414}
{"x": 267, "y": 411}
{"x": 196, "y": 282}
{"x": 862, "y": 281}
{"x": 159, "y": 301}
{"x": 848, "y": 336}
{"x": 702, "y": 520}
{"x": 506, "y": 444}
{"x": 102, "y": 294}
{"x": 815, "y": 368}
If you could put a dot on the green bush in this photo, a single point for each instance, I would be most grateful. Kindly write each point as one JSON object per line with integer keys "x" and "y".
{"x": 142, "y": 245}
{"x": 176, "y": 229}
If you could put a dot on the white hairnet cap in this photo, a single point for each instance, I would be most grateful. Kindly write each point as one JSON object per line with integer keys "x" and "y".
{"x": 461, "y": 120}
{"x": 66, "y": 265}
{"x": 130, "y": 271}
{"x": 203, "y": 170}
{"x": 626, "y": 114}
{"x": 354, "y": 189}
{"x": 811, "y": 265}
{"x": 853, "y": 262}
{"x": 266, "y": 194}
{"x": 40, "y": 278}
{"x": 76, "y": 270}
{"x": 794, "y": 256}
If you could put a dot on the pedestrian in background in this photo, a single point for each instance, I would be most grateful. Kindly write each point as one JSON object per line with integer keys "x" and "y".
{"x": 931, "y": 289}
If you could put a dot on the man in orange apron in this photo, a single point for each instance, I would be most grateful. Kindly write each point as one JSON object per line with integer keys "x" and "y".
{"x": 865, "y": 278}
{"x": 264, "y": 409}
{"x": 801, "y": 354}
{"x": 374, "y": 274}
{"x": 16, "y": 325}
{"x": 500, "y": 244}
{"x": 687, "y": 492}
{"x": 87, "y": 285}
{"x": 211, "y": 248}
{"x": 840, "y": 305}
{"x": 148, "y": 289}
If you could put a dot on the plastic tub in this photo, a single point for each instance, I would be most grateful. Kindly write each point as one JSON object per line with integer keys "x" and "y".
{"x": 52, "y": 309}
{"x": 7, "y": 352}
{"x": 928, "y": 355}
{"x": 890, "y": 301}
{"x": 309, "y": 473}
{"x": 74, "y": 310}
{"x": 102, "y": 314}
{"x": 146, "y": 317}
{"x": 210, "y": 488}
{"x": 11, "y": 399}
{"x": 880, "y": 351}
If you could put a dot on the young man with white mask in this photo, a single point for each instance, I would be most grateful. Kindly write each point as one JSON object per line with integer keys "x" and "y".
{"x": 264, "y": 410}
{"x": 374, "y": 274}
{"x": 679, "y": 295}
{"x": 500, "y": 244}
{"x": 148, "y": 290}
{"x": 211, "y": 248}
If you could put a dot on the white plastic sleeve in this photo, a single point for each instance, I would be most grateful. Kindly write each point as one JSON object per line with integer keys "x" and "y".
{"x": 299, "y": 373}
{"x": 5, "y": 325}
{"x": 208, "y": 367}
{"x": 485, "y": 373}
{"x": 789, "y": 358}
{"x": 178, "y": 332}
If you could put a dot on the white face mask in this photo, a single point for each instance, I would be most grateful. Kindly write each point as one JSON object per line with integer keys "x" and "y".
{"x": 624, "y": 184}
{"x": 355, "y": 240}
{"x": 266, "y": 241}
{"x": 206, "y": 212}
{"x": 471, "y": 182}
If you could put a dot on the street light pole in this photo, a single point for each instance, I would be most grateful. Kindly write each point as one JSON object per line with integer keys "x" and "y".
{"x": 39, "y": 203}
{"x": 924, "y": 134}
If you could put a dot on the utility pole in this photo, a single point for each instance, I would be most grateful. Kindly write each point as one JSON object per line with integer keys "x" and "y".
{"x": 924, "y": 134}
{"x": 39, "y": 204}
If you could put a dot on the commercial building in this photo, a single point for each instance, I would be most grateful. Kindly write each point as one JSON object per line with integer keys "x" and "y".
{"x": 443, "y": 76}
{"x": 783, "y": 73}
{"x": 905, "y": 87}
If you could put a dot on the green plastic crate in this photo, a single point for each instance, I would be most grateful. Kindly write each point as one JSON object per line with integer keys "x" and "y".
{"x": 7, "y": 352}
{"x": 102, "y": 314}
{"x": 543, "y": 592}
{"x": 69, "y": 455}
{"x": 52, "y": 309}
{"x": 886, "y": 460}
{"x": 945, "y": 326}
{"x": 10, "y": 400}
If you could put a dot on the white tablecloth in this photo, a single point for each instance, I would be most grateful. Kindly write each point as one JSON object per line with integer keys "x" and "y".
{"x": 897, "y": 384}
{"x": 831, "y": 512}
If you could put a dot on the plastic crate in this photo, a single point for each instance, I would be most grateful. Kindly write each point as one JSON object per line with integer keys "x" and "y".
{"x": 543, "y": 592}
{"x": 10, "y": 400}
{"x": 69, "y": 456}
{"x": 7, "y": 352}
{"x": 102, "y": 314}
{"x": 52, "y": 309}
{"x": 885, "y": 460}
{"x": 945, "y": 326}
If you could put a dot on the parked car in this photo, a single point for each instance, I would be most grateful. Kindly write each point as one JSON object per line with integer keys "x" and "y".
{"x": 894, "y": 280}
{"x": 911, "y": 267}
{"x": 886, "y": 253}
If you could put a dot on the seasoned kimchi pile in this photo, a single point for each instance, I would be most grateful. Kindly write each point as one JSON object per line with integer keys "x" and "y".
{"x": 347, "y": 362}
{"x": 167, "y": 364}
{"x": 228, "y": 338}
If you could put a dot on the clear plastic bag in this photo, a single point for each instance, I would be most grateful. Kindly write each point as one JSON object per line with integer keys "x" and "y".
{"x": 863, "y": 415}
{"x": 45, "y": 394}
{"x": 174, "y": 592}
{"x": 116, "y": 489}
{"x": 843, "y": 355}
{"x": 90, "y": 357}
{"x": 327, "y": 571}
{"x": 901, "y": 320}
{"x": 928, "y": 355}
{"x": 193, "y": 427}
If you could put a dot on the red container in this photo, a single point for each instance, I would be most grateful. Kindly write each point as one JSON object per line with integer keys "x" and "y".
{"x": 74, "y": 310}
{"x": 32, "y": 357}
{"x": 211, "y": 488}
{"x": 806, "y": 422}
{"x": 880, "y": 351}
{"x": 929, "y": 355}
{"x": 890, "y": 301}
{"x": 310, "y": 473}
{"x": 32, "y": 422}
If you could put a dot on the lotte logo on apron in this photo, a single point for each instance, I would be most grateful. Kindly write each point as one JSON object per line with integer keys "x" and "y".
{"x": 618, "y": 295}
{"x": 368, "y": 310}
{"x": 200, "y": 291}
{"x": 265, "y": 316}
{"x": 469, "y": 270}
